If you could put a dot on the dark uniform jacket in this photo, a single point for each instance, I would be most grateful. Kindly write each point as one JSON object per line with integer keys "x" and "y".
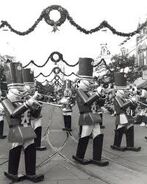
{"x": 84, "y": 101}
{"x": 14, "y": 114}
{"x": 121, "y": 106}
{"x": 35, "y": 112}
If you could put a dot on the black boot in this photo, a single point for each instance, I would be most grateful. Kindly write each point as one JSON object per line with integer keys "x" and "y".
{"x": 81, "y": 149}
{"x": 117, "y": 139}
{"x": 67, "y": 123}
{"x": 130, "y": 140}
{"x": 80, "y": 130}
{"x": 38, "y": 132}
{"x": 13, "y": 165}
{"x": 97, "y": 151}
{"x": 30, "y": 164}
{"x": 2, "y": 129}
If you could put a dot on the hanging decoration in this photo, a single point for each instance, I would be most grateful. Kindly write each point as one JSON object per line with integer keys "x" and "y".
{"x": 51, "y": 22}
{"x": 59, "y": 58}
{"x": 56, "y": 70}
{"x": 103, "y": 62}
{"x": 57, "y": 77}
{"x": 65, "y": 15}
{"x": 31, "y": 29}
{"x": 59, "y": 80}
{"x": 53, "y": 59}
{"x": 45, "y": 81}
{"x": 122, "y": 43}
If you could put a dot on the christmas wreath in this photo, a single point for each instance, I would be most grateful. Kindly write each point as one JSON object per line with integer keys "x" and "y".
{"x": 56, "y": 70}
{"x": 56, "y": 77}
{"x": 56, "y": 82}
{"x": 51, "y": 22}
{"x": 60, "y": 57}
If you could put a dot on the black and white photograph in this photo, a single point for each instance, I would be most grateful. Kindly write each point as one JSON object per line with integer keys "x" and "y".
{"x": 73, "y": 91}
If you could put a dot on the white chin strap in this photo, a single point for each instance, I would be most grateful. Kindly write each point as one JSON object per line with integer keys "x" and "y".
{"x": 13, "y": 95}
{"x": 120, "y": 93}
{"x": 84, "y": 84}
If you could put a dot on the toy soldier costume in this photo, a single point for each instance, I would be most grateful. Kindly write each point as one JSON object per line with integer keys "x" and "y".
{"x": 99, "y": 105}
{"x": 1, "y": 118}
{"x": 89, "y": 121}
{"x": 124, "y": 122}
{"x": 67, "y": 103}
{"x": 36, "y": 117}
{"x": 21, "y": 133}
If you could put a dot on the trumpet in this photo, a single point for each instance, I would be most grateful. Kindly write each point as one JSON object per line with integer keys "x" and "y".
{"x": 132, "y": 98}
{"x": 40, "y": 100}
{"x": 38, "y": 96}
{"x": 52, "y": 104}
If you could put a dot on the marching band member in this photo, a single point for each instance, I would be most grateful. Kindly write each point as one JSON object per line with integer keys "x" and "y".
{"x": 36, "y": 117}
{"x": 89, "y": 121}
{"x": 21, "y": 134}
{"x": 143, "y": 110}
{"x": 124, "y": 123}
{"x": 67, "y": 102}
{"x": 100, "y": 90}
{"x": 1, "y": 119}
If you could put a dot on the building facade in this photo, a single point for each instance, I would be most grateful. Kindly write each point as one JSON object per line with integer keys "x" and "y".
{"x": 141, "y": 47}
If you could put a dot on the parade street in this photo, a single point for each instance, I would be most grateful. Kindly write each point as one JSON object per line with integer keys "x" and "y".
{"x": 56, "y": 162}
{"x": 73, "y": 92}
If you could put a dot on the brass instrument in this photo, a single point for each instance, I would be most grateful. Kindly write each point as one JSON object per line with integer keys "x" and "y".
{"x": 41, "y": 102}
{"x": 47, "y": 103}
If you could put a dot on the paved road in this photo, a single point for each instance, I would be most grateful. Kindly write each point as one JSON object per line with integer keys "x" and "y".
{"x": 59, "y": 168}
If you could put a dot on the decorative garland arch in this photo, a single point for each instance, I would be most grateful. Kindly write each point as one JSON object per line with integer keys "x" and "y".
{"x": 65, "y": 15}
{"x": 59, "y": 58}
{"x": 56, "y": 70}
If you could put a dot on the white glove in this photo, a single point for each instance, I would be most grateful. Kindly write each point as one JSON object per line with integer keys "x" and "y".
{"x": 36, "y": 94}
{"x": 133, "y": 99}
{"x": 99, "y": 91}
{"x": 64, "y": 100}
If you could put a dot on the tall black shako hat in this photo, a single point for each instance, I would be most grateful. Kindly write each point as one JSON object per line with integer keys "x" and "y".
{"x": 85, "y": 68}
{"x": 28, "y": 76}
{"x": 68, "y": 90}
{"x": 120, "y": 80}
{"x": 67, "y": 84}
{"x": 13, "y": 73}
